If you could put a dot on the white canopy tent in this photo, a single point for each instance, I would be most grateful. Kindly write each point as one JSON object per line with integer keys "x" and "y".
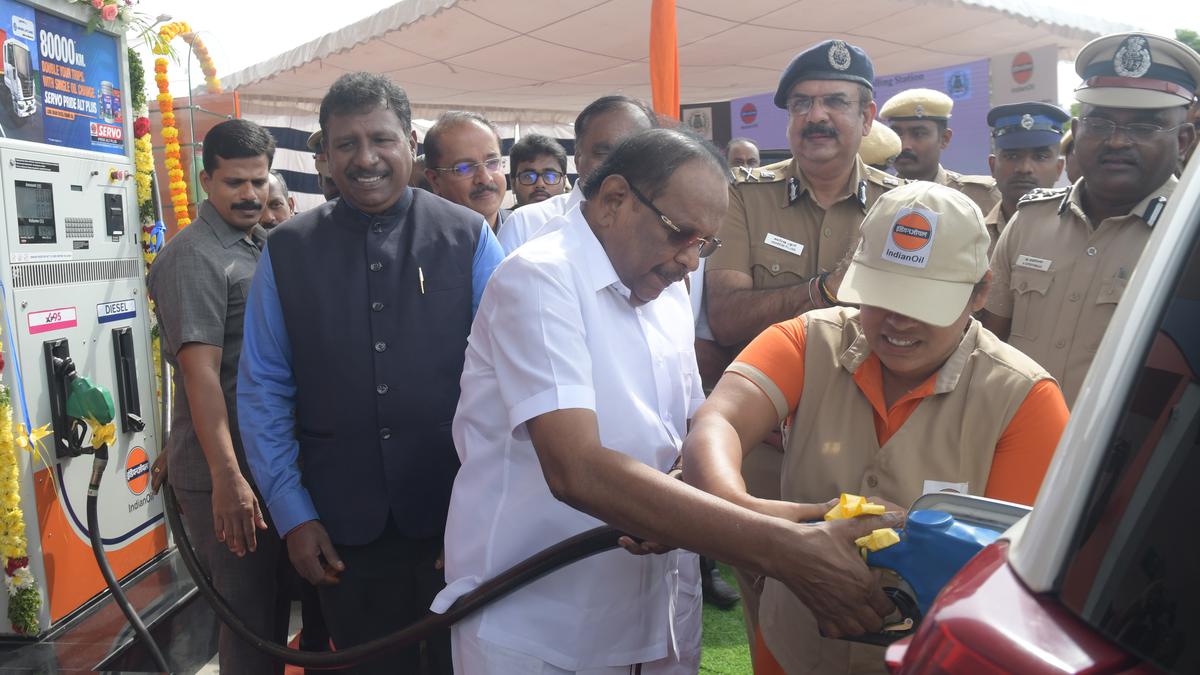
{"x": 531, "y": 57}
{"x": 538, "y": 62}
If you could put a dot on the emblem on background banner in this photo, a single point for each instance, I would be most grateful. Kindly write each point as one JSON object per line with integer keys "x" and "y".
{"x": 1026, "y": 121}
{"x": 958, "y": 84}
{"x": 1132, "y": 58}
{"x": 839, "y": 55}
{"x": 699, "y": 120}
{"x": 1022, "y": 68}
{"x": 748, "y": 113}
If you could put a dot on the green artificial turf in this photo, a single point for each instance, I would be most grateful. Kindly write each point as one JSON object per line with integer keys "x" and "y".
{"x": 724, "y": 647}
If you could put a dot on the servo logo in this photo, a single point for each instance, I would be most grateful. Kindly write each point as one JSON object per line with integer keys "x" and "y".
{"x": 911, "y": 238}
{"x": 137, "y": 471}
{"x": 105, "y": 134}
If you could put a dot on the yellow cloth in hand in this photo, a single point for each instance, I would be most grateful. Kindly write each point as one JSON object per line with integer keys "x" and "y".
{"x": 850, "y": 506}
{"x": 879, "y": 539}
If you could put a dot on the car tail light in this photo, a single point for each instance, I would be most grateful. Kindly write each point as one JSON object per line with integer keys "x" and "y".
{"x": 986, "y": 622}
{"x": 945, "y": 654}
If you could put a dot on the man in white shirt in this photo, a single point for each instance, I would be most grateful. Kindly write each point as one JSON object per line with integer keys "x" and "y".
{"x": 599, "y": 128}
{"x": 579, "y": 380}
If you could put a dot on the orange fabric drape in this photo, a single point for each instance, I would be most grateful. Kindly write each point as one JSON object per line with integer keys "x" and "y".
{"x": 664, "y": 59}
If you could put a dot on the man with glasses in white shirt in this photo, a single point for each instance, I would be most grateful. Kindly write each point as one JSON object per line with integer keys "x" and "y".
{"x": 539, "y": 169}
{"x": 599, "y": 128}
{"x": 463, "y": 164}
{"x": 579, "y": 380}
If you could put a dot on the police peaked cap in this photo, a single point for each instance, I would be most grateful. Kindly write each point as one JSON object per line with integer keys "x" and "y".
{"x": 1027, "y": 125}
{"x": 1137, "y": 70}
{"x": 917, "y": 104}
{"x": 828, "y": 60}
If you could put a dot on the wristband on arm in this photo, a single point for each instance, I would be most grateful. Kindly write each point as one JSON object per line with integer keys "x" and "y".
{"x": 826, "y": 295}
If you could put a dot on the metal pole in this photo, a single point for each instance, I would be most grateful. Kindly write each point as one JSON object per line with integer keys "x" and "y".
{"x": 192, "y": 126}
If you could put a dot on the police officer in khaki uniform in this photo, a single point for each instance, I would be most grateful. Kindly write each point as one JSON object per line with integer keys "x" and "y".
{"x": 880, "y": 147}
{"x": 1062, "y": 263}
{"x": 905, "y": 396}
{"x": 789, "y": 224}
{"x": 921, "y": 117}
{"x": 1026, "y": 138}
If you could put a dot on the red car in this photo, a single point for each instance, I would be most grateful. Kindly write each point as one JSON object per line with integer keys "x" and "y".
{"x": 1104, "y": 575}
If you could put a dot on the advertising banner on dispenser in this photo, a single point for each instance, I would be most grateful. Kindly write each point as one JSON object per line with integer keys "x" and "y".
{"x": 61, "y": 83}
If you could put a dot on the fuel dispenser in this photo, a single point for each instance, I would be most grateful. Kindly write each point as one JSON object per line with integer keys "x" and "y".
{"x": 76, "y": 316}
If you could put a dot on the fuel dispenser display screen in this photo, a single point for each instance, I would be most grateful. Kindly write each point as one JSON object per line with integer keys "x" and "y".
{"x": 35, "y": 212}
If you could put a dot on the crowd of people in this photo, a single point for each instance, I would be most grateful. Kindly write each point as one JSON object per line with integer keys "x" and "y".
{"x": 409, "y": 389}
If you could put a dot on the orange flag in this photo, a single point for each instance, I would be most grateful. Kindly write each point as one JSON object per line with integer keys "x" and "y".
{"x": 664, "y": 59}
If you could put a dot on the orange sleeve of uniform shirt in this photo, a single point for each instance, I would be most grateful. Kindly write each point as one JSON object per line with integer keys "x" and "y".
{"x": 777, "y": 354}
{"x": 1026, "y": 447}
{"x": 1023, "y": 452}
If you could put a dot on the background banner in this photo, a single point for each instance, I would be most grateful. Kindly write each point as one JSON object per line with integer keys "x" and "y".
{"x": 757, "y": 118}
{"x": 967, "y": 84}
{"x": 1026, "y": 76}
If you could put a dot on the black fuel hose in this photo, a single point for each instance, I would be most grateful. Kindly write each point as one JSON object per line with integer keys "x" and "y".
{"x": 576, "y": 548}
{"x": 93, "y": 523}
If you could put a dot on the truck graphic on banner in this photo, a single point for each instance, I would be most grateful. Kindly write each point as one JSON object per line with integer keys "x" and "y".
{"x": 18, "y": 77}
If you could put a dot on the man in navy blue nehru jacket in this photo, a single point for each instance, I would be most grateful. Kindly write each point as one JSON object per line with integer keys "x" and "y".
{"x": 356, "y": 327}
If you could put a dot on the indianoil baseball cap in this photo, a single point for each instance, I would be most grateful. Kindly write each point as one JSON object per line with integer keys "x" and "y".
{"x": 924, "y": 247}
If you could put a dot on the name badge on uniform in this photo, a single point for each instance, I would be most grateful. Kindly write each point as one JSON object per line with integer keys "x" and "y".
{"x": 793, "y": 247}
{"x": 1030, "y": 262}
{"x": 943, "y": 486}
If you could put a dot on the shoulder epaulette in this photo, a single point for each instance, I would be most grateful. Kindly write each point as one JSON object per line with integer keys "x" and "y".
{"x": 771, "y": 173}
{"x": 1153, "y": 210}
{"x": 1044, "y": 195}
{"x": 986, "y": 181}
{"x": 883, "y": 178}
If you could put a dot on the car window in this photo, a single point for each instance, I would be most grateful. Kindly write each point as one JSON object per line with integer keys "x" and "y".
{"x": 1134, "y": 570}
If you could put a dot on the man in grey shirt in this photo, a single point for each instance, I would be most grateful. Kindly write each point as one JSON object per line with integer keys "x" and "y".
{"x": 199, "y": 284}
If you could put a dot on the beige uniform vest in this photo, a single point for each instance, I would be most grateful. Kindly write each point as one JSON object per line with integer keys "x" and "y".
{"x": 832, "y": 448}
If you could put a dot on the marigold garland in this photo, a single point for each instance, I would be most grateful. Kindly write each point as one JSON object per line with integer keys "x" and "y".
{"x": 143, "y": 162}
{"x": 24, "y": 601}
{"x": 177, "y": 183}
